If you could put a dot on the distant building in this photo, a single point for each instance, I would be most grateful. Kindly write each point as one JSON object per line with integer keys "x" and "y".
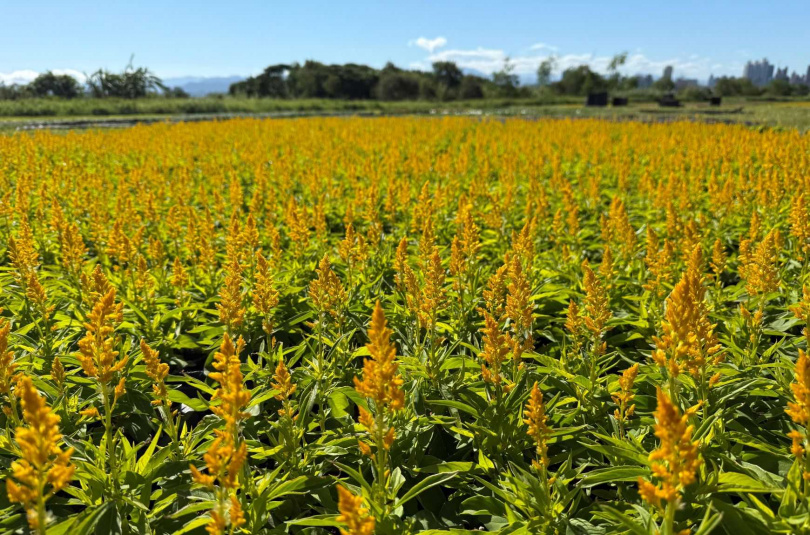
{"x": 781, "y": 74}
{"x": 683, "y": 83}
{"x": 760, "y": 73}
{"x": 644, "y": 81}
{"x": 796, "y": 79}
{"x": 668, "y": 72}
{"x": 712, "y": 81}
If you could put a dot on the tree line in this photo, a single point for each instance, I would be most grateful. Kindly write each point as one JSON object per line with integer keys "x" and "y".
{"x": 446, "y": 81}
{"x": 131, "y": 83}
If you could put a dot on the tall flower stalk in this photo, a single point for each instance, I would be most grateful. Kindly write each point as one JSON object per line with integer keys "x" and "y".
{"x": 44, "y": 468}
{"x": 382, "y": 386}
{"x": 98, "y": 357}
{"x": 227, "y": 455}
{"x": 674, "y": 463}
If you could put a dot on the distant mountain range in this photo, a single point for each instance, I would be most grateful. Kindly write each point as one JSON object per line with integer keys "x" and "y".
{"x": 199, "y": 86}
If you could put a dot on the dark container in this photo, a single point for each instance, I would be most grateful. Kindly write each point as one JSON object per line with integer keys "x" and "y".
{"x": 597, "y": 99}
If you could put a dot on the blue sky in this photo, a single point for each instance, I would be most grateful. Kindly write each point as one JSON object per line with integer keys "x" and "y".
{"x": 206, "y": 38}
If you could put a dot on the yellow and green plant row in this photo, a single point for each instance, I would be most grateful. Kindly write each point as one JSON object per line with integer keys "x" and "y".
{"x": 405, "y": 325}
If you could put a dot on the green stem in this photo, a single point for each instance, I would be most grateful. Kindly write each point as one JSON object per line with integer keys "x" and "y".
{"x": 108, "y": 434}
{"x": 669, "y": 519}
{"x": 42, "y": 518}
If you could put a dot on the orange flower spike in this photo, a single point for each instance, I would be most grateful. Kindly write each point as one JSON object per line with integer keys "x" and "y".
{"x": 381, "y": 380}
{"x": 676, "y": 461}
{"x": 353, "y": 514}
{"x": 232, "y": 394}
{"x": 42, "y": 460}
{"x": 535, "y": 419}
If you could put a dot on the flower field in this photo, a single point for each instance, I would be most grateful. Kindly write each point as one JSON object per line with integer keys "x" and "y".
{"x": 405, "y": 325}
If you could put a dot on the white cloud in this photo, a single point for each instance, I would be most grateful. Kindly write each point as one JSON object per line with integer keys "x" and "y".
{"x": 429, "y": 44}
{"x": 17, "y": 77}
{"x": 26, "y": 76}
{"x": 543, "y": 46}
{"x": 489, "y": 60}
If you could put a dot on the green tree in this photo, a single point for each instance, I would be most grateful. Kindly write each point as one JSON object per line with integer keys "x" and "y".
{"x": 505, "y": 80}
{"x": 57, "y": 85}
{"x": 472, "y": 87}
{"x": 613, "y": 69}
{"x": 580, "y": 81}
{"x": 131, "y": 83}
{"x": 398, "y": 86}
{"x": 545, "y": 70}
{"x": 447, "y": 73}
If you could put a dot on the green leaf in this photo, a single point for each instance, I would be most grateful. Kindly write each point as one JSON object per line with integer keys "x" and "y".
{"x": 428, "y": 482}
{"x": 735, "y": 482}
{"x": 454, "y": 405}
{"x": 194, "y": 404}
{"x": 613, "y": 474}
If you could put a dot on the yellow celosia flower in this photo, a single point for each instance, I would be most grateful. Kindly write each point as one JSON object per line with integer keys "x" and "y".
{"x": 23, "y": 255}
{"x": 465, "y": 247}
{"x": 72, "y": 249}
{"x": 607, "y": 267}
{"x": 433, "y": 293}
{"x": 353, "y": 514}
{"x": 802, "y": 312}
{"x": 401, "y": 267}
{"x": 761, "y": 271}
{"x": 624, "y": 397}
{"x": 326, "y": 291}
{"x": 179, "y": 274}
{"x": 676, "y": 461}
{"x": 495, "y": 292}
{"x": 597, "y": 312}
{"x": 352, "y": 250}
{"x": 232, "y": 394}
{"x": 800, "y": 225}
{"x": 535, "y": 418}
{"x": 236, "y": 513}
{"x": 157, "y": 371}
{"x": 94, "y": 287}
{"x": 228, "y": 452}
{"x": 97, "y": 353}
{"x": 574, "y": 325}
{"x": 523, "y": 244}
{"x": 217, "y": 524}
{"x": 283, "y": 382}
{"x": 659, "y": 264}
{"x": 230, "y": 307}
{"x": 381, "y": 380}
{"x": 718, "y": 262}
{"x": 519, "y": 308}
{"x": 7, "y": 365}
{"x": 298, "y": 225}
{"x": 688, "y": 340}
{"x": 494, "y": 350}
{"x": 223, "y": 461}
{"x": 57, "y": 372}
{"x": 619, "y": 230}
{"x": 799, "y": 411}
{"x": 42, "y": 461}
{"x": 264, "y": 294}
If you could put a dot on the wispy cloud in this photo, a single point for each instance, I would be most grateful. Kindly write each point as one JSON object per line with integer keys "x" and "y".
{"x": 428, "y": 44}
{"x": 26, "y": 76}
{"x": 488, "y": 60}
{"x": 543, "y": 46}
